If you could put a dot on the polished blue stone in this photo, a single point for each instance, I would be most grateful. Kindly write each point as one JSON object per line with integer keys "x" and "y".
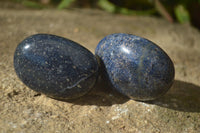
{"x": 135, "y": 66}
{"x": 55, "y": 66}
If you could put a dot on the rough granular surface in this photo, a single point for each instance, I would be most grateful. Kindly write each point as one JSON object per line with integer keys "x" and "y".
{"x": 102, "y": 110}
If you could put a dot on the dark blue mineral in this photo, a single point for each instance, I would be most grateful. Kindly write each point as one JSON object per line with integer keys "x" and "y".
{"x": 55, "y": 66}
{"x": 135, "y": 66}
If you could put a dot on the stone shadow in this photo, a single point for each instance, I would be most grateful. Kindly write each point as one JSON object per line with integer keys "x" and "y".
{"x": 102, "y": 95}
{"x": 182, "y": 96}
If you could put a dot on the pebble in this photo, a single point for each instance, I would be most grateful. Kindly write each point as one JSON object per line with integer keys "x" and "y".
{"x": 135, "y": 66}
{"x": 55, "y": 66}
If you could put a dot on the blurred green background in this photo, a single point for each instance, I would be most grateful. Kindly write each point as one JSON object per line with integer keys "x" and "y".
{"x": 181, "y": 11}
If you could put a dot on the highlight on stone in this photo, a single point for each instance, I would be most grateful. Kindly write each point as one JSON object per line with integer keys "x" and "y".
{"x": 135, "y": 66}
{"x": 55, "y": 66}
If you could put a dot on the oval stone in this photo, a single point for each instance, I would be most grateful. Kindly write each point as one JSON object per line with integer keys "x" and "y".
{"x": 55, "y": 66}
{"x": 135, "y": 66}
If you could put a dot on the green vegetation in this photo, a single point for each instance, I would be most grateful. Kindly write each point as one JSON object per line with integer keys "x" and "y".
{"x": 30, "y": 4}
{"x": 182, "y": 14}
{"x": 181, "y": 11}
{"x": 64, "y": 4}
{"x": 110, "y": 7}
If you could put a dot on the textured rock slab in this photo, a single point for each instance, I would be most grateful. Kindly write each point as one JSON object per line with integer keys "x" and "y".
{"x": 103, "y": 110}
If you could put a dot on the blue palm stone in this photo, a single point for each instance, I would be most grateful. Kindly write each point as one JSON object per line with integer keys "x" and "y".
{"x": 135, "y": 66}
{"x": 55, "y": 66}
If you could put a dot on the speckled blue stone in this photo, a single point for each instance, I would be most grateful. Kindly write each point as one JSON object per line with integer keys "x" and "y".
{"x": 135, "y": 66}
{"x": 55, "y": 66}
